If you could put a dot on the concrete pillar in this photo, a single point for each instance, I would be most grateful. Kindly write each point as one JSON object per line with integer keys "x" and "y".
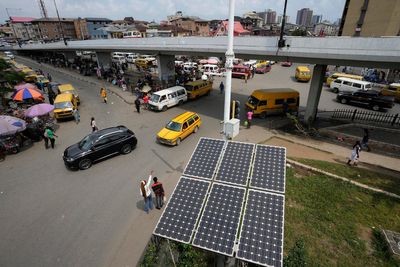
{"x": 314, "y": 93}
{"x": 166, "y": 67}
{"x": 69, "y": 56}
{"x": 104, "y": 59}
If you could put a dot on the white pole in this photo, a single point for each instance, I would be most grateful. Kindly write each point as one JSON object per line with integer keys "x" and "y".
{"x": 229, "y": 65}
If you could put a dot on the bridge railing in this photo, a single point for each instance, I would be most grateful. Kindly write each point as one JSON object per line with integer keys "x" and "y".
{"x": 367, "y": 116}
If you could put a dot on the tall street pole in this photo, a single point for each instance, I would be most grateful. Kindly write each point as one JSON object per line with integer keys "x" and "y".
{"x": 12, "y": 27}
{"x": 59, "y": 21}
{"x": 281, "y": 42}
{"x": 229, "y": 66}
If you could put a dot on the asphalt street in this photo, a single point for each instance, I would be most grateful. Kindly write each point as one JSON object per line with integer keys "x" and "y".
{"x": 51, "y": 216}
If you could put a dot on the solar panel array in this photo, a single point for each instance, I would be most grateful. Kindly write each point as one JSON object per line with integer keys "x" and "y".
{"x": 204, "y": 160}
{"x": 183, "y": 210}
{"x": 209, "y": 208}
{"x": 220, "y": 220}
{"x": 235, "y": 164}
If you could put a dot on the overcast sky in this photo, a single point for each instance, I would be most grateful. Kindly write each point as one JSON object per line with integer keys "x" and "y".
{"x": 159, "y": 9}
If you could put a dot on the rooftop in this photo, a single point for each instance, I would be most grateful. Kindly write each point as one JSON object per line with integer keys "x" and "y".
{"x": 21, "y": 19}
{"x": 53, "y": 19}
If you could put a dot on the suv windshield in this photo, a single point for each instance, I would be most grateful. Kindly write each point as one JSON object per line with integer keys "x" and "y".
{"x": 253, "y": 101}
{"x": 86, "y": 142}
{"x": 62, "y": 105}
{"x": 154, "y": 98}
{"x": 173, "y": 126}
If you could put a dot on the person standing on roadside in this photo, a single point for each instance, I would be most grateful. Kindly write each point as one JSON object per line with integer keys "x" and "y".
{"x": 93, "y": 125}
{"x": 355, "y": 154}
{"x": 365, "y": 139}
{"x": 46, "y": 138}
{"x": 51, "y": 135}
{"x": 137, "y": 104}
{"x": 221, "y": 88}
{"x": 158, "y": 192}
{"x": 77, "y": 116}
{"x": 249, "y": 118}
{"x": 146, "y": 193}
{"x": 49, "y": 77}
{"x": 103, "y": 94}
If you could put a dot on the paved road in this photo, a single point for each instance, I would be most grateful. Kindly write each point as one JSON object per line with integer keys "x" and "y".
{"x": 50, "y": 216}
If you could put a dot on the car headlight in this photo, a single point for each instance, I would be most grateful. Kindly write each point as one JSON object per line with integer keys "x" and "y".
{"x": 70, "y": 159}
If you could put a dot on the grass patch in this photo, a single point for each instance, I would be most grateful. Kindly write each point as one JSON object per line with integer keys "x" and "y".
{"x": 336, "y": 221}
{"x": 367, "y": 177}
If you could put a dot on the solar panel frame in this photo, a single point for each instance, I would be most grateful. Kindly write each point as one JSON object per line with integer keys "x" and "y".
{"x": 284, "y": 171}
{"x": 250, "y": 164}
{"x": 238, "y": 223}
{"x": 244, "y": 221}
{"x": 198, "y": 215}
{"x": 216, "y": 165}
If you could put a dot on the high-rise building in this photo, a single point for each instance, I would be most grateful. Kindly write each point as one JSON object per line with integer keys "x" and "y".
{"x": 370, "y": 18}
{"x": 280, "y": 17}
{"x": 304, "y": 16}
{"x": 271, "y": 17}
{"x": 316, "y": 19}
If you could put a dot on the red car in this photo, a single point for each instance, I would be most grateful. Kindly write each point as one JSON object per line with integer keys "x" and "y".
{"x": 286, "y": 64}
{"x": 263, "y": 69}
{"x": 240, "y": 71}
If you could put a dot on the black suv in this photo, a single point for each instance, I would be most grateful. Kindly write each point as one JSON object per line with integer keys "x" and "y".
{"x": 370, "y": 98}
{"x": 99, "y": 145}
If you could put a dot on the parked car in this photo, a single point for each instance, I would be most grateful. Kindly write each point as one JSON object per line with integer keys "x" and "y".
{"x": 99, "y": 145}
{"x": 286, "y": 64}
{"x": 241, "y": 71}
{"x": 370, "y": 98}
{"x": 392, "y": 90}
{"x": 347, "y": 84}
{"x": 179, "y": 128}
{"x": 263, "y": 69}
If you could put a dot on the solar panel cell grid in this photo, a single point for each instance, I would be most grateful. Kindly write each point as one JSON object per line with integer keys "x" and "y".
{"x": 269, "y": 168}
{"x": 183, "y": 209}
{"x": 205, "y": 158}
{"x": 261, "y": 237}
{"x": 219, "y": 223}
{"x": 235, "y": 164}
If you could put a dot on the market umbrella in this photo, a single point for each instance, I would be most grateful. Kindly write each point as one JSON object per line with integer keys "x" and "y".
{"x": 38, "y": 110}
{"x": 203, "y": 61}
{"x": 11, "y": 125}
{"x": 213, "y": 61}
{"x": 27, "y": 93}
{"x": 25, "y": 86}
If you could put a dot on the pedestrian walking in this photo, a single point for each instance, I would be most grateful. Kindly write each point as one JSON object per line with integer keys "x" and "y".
{"x": 51, "y": 135}
{"x": 146, "y": 193}
{"x": 137, "y": 104}
{"x": 158, "y": 190}
{"x": 253, "y": 71}
{"x": 103, "y": 93}
{"x": 355, "y": 154}
{"x": 365, "y": 139}
{"x": 49, "y": 77}
{"x": 93, "y": 125}
{"x": 249, "y": 118}
{"x": 46, "y": 138}
{"x": 146, "y": 99}
{"x": 77, "y": 116}
{"x": 221, "y": 88}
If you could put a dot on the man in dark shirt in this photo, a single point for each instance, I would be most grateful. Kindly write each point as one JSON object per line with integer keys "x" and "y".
{"x": 159, "y": 192}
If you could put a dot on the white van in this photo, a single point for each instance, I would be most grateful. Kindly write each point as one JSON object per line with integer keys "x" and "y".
{"x": 347, "y": 84}
{"x": 131, "y": 57}
{"x": 169, "y": 97}
{"x": 211, "y": 69}
{"x": 118, "y": 59}
{"x": 9, "y": 54}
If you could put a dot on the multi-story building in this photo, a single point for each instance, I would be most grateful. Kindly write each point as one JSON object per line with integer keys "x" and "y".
{"x": 280, "y": 17}
{"x": 370, "y": 18}
{"x": 325, "y": 28}
{"x": 54, "y": 29}
{"x": 195, "y": 25}
{"x": 252, "y": 16}
{"x": 94, "y": 27}
{"x": 268, "y": 16}
{"x": 304, "y": 16}
{"x": 23, "y": 29}
{"x": 81, "y": 29}
{"x": 316, "y": 19}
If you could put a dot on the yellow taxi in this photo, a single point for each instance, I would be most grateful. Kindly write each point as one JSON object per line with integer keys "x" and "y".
{"x": 69, "y": 89}
{"x": 303, "y": 74}
{"x": 64, "y": 105}
{"x": 392, "y": 90}
{"x": 179, "y": 128}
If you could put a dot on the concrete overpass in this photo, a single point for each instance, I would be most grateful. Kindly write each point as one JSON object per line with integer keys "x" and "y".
{"x": 383, "y": 52}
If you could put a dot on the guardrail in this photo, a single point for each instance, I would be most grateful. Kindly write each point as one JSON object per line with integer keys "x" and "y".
{"x": 361, "y": 115}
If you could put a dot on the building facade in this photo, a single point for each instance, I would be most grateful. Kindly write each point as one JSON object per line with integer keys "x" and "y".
{"x": 280, "y": 17}
{"x": 316, "y": 19}
{"x": 51, "y": 29}
{"x": 325, "y": 28}
{"x": 94, "y": 27}
{"x": 81, "y": 29}
{"x": 304, "y": 16}
{"x": 370, "y": 18}
{"x": 23, "y": 29}
{"x": 195, "y": 25}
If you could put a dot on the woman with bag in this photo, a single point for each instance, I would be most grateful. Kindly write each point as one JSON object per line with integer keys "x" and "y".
{"x": 146, "y": 193}
{"x": 159, "y": 192}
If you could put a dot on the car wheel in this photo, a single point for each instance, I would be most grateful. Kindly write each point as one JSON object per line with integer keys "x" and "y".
{"x": 126, "y": 149}
{"x": 85, "y": 164}
{"x": 263, "y": 115}
{"x": 180, "y": 103}
{"x": 343, "y": 101}
{"x": 164, "y": 108}
{"x": 178, "y": 141}
{"x": 375, "y": 107}
{"x": 196, "y": 129}
{"x": 335, "y": 90}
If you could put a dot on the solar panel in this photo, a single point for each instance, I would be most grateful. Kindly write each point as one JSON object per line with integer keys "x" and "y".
{"x": 183, "y": 210}
{"x": 235, "y": 164}
{"x": 219, "y": 223}
{"x": 261, "y": 237}
{"x": 269, "y": 168}
{"x": 204, "y": 159}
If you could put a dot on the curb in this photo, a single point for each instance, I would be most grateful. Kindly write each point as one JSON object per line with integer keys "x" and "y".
{"x": 309, "y": 168}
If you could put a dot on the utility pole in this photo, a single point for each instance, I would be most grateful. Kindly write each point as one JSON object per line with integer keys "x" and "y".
{"x": 281, "y": 42}
{"x": 59, "y": 21}
{"x": 230, "y": 55}
{"x": 12, "y": 27}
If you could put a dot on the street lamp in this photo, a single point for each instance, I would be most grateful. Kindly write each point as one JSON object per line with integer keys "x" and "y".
{"x": 59, "y": 22}
{"x": 281, "y": 42}
{"x": 12, "y": 27}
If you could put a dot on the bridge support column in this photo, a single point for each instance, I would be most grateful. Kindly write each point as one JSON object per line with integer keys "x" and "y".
{"x": 315, "y": 93}
{"x": 69, "y": 57}
{"x": 166, "y": 67}
{"x": 103, "y": 60}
